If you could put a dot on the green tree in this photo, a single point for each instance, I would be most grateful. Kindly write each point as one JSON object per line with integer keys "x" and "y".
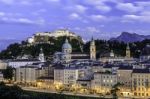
{"x": 8, "y": 73}
{"x": 116, "y": 89}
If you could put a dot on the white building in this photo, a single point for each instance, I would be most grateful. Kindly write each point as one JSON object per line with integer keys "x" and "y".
{"x": 22, "y": 62}
{"x": 63, "y": 32}
{"x": 67, "y": 75}
{"x": 56, "y": 33}
{"x": 30, "y": 40}
{"x": 26, "y": 74}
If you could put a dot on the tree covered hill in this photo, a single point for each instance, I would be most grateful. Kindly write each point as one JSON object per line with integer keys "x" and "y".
{"x": 102, "y": 46}
{"x": 17, "y": 49}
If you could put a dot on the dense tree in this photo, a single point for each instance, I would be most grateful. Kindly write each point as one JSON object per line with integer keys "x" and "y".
{"x": 8, "y": 73}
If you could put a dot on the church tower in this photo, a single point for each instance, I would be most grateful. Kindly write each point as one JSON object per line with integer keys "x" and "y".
{"x": 128, "y": 52}
{"x": 92, "y": 50}
{"x": 41, "y": 56}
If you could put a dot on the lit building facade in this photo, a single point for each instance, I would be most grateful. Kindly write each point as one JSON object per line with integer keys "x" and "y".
{"x": 141, "y": 82}
{"x": 103, "y": 82}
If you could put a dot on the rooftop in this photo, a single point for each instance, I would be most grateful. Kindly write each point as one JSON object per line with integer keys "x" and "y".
{"x": 141, "y": 70}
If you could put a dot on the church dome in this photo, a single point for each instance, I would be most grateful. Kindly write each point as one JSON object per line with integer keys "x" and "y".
{"x": 66, "y": 45}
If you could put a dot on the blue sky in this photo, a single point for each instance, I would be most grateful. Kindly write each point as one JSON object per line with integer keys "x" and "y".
{"x": 103, "y": 19}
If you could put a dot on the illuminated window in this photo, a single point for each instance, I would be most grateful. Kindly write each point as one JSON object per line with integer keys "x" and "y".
{"x": 111, "y": 81}
{"x": 103, "y": 80}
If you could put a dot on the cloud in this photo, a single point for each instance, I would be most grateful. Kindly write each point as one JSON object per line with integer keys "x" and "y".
{"x": 103, "y": 8}
{"x": 53, "y": 1}
{"x": 76, "y": 8}
{"x": 80, "y": 8}
{"x": 8, "y": 2}
{"x": 2, "y": 14}
{"x": 128, "y": 7}
{"x": 23, "y": 21}
{"x": 98, "y": 18}
{"x": 143, "y": 4}
{"x": 92, "y": 30}
{"x": 136, "y": 18}
{"x": 39, "y": 12}
{"x": 147, "y": 13}
{"x": 17, "y": 18}
{"x": 74, "y": 16}
{"x": 20, "y": 2}
{"x": 99, "y": 2}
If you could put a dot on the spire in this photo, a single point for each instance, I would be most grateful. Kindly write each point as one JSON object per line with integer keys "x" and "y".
{"x": 41, "y": 55}
{"x": 66, "y": 41}
{"x": 41, "y": 50}
{"x": 128, "y": 47}
{"x": 128, "y": 53}
{"x": 92, "y": 41}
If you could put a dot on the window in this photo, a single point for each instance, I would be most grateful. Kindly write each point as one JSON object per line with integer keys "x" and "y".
{"x": 139, "y": 94}
{"x": 103, "y": 80}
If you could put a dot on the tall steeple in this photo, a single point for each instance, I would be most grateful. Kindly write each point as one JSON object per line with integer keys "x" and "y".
{"x": 41, "y": 56}
{"x": 92, "y": 50}
{"x": 128, "y": 52}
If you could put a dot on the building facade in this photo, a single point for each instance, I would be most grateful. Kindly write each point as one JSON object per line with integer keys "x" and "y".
{"x": 103, "y": 82}
{"x": 26, "y": 74}
{"x": 141, "y": 82}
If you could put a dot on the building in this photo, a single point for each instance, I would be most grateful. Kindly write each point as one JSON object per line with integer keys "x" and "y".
{"x": 44, "y": 37}
{"x": 26, "y": 74}
{"x": 92, "y": 50}
{"x": 84, "y": 84}
{"x": 66, "y": 75}
{"x": 124, "y": 74}
{"x": 45, "y": 82}
{"x": 41, "y": 56}
{"x": 97, "y": 67}
{"x": 128, "y": 52}
{"x": 110, "y": 57}
{"x": 67, "y": 55}
{"x": 103, "y": 82}
{"x": 26, "y": 60}
{"x": 22, "y": 62}
{"x": 3, "y": 65}
{"x": 63, "y": 32}
{"x": 145, "y": 54}
{"x": 141, "y": 83}
{"x": 59, "y": 74}
{"x": 1, "y": 77}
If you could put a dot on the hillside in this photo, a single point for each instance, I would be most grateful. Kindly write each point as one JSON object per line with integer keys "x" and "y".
{"x": 130, "y": 37}
{"x": 102, "y": 46}
{"x": 18, "y": 49}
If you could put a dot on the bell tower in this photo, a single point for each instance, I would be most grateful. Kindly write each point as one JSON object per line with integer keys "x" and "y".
{"x": 128, "y": 52}
{"x": 92, "y": 50}
{"x": 41, "y": 56}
